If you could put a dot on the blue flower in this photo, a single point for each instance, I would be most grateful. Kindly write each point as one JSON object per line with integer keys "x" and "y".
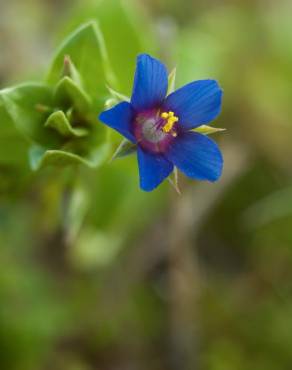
{"x": 162, "y": 125}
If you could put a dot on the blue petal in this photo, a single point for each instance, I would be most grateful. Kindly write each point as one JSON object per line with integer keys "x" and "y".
{"x": 196, "y": 103}
{"x": 153, "y": 169}
{"x": 196, "y": 156}
{"x": 120, "y": 118}
{"x": 150, "y": 83}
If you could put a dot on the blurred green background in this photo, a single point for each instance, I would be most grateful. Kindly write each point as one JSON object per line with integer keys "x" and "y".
{"x": 156, "y": 281}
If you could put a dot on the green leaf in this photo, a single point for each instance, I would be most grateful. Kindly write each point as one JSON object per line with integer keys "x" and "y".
{"x": 171, "y": 81}
{"x": 124, "y": 149}
{"x": 68, "y": 94}
{"x": 86, "y": 49}
{"x": 59, "y": 122}
{"x": 23, "y": 103}
{"x": 41, "y": 157}
{"x": 13, "y": 145}
{"x": 13, "y": 150}
{"x": 206, "y": 130}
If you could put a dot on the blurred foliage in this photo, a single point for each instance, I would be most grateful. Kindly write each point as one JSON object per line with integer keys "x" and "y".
{"x": 96, "y": 274}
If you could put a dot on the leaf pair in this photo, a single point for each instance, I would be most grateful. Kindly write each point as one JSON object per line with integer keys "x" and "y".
{"x": 59, "y": 116}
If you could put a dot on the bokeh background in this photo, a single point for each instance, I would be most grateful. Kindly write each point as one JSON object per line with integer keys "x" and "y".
{"x": 154, "y": 281}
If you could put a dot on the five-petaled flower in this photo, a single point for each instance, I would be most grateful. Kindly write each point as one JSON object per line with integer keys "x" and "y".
{"x": 162, "y": 126}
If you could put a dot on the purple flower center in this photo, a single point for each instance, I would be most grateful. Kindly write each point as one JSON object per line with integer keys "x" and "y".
{"x": 154, "y": 130}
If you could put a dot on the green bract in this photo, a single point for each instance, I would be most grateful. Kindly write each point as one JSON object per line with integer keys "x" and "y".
{"x": 59, "y": 116}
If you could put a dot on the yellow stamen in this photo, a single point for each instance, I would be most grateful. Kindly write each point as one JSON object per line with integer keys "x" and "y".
{"x": 171, "y": 119}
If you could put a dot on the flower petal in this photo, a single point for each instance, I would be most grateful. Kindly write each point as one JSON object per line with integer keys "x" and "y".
{"x": 120, "y": 118}
{"x": 196, "y": 103}
{"x": 150, "y": 83}
{"x": 197, "y": 156}
{"x": 153, "y": 169}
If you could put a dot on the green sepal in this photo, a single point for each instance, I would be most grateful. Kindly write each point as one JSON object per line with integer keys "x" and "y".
{"x": 68, "y": 93}
{"x": 40, "y": 157}
{"x": 110, "y": 103}
{"x": 173, "y": 180}
{"x": 206, "y": 130}
{"x": 171, "y": 81}
{"x": 59, "y": 122}
{"x": 118, "y": 96}
{"x": 124, "y": 149}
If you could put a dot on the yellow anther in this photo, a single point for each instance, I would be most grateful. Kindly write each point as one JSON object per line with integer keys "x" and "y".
{"x": 171, "y": 119}
{"x": 167, "y": 127}
{"x": 164, "y": 115}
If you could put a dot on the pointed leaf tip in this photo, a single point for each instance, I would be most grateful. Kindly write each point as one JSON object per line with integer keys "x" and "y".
{"x": 88, "y": 56}
{"x": 171, "y": 81}
{"x": 124, "y": 149}
{"x": 174, "y": 181}
{"x": 206, "y": 130}
{"x": 118, "y": 96}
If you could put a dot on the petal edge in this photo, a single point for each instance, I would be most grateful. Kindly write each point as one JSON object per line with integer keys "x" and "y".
{"x": 120, "y": 118}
